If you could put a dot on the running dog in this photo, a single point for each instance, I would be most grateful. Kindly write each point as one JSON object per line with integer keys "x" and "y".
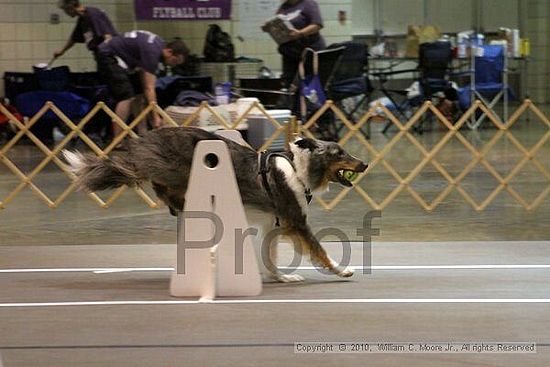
{"x": 275, "y": 188}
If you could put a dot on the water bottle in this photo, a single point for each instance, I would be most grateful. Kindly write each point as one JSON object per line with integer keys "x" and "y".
{"x": 223, "y": 93}
{"x": 477, "y": 43}
{"x": 515, "y": 43}
{"x": 480, "y": 39}
{"x": 461, "y": 46}
{"x": 227, "y": 91}
{"x": 221, "y": 96}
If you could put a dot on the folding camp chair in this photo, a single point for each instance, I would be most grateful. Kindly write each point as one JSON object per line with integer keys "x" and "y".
{"x": 397, "y": 100}
{"x": 434, "y": 63}
{"x": 488, "y": 82}
{"x": 351, "y": 88}
{"x": 434, "y": 68}
{"x": 314, "y": 63}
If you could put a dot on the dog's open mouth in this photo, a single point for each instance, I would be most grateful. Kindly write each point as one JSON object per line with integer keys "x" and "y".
{"x": 346, "y": 177}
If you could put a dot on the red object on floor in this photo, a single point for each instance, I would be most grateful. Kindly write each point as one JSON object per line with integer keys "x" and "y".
{"x": 4, "y": 119}
{"x": 446, "y": 107}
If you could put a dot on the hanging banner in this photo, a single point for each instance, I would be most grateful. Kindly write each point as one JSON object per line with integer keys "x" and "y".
{"x": 183, "y": 9}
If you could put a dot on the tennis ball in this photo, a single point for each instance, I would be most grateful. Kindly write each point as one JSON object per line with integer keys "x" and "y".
{"x": 350, "y": 175}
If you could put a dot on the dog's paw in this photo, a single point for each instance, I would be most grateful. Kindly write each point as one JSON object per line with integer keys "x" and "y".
{"x": 289, "y": 278}
{"x": 346, "y": 273}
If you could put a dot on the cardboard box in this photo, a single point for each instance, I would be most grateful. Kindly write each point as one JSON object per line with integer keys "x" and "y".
{"x": 417, "y": 35}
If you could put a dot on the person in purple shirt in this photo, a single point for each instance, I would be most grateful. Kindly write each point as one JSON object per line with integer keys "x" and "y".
{"x": 92, "y": 27}
{"x": 305, "y": 16}
{"x": 136, "y": 53}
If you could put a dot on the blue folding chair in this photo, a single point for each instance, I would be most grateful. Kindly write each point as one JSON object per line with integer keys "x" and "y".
{"x": 434, "y": 67}
{"x": 488, "y": 82}
{"x": 351, "y": 88}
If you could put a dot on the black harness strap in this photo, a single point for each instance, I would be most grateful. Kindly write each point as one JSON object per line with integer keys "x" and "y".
{"x": 263, "y": 163}
{"x": 309, "y": 195}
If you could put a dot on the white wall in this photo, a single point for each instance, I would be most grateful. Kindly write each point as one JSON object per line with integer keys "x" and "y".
{"x": 364, "y": 21}
{"x": 538, "y": 31}
{"x": 500, "y": 13}
{"x": 398, "y": 14}
{"x": 448, "y": 15}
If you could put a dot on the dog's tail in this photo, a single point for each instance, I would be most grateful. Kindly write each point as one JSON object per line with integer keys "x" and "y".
{"x": 96, "y": 174}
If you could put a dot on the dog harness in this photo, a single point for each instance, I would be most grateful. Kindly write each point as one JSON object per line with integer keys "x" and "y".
{"x": 265, "y": 167}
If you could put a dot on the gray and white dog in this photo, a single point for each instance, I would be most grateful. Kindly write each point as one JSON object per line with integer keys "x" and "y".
{"x": 275, "y": 190}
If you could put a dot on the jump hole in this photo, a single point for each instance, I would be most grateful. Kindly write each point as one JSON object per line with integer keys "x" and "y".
{"x": 211, "y": 160}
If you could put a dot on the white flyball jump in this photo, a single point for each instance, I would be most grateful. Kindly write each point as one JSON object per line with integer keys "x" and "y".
{"x": 211, "y": 260}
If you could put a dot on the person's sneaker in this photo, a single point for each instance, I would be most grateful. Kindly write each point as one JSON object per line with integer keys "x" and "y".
{"x": 57, "y": 134}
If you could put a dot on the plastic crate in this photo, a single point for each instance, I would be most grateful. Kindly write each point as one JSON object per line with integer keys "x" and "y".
{"x": 260, "y": 129}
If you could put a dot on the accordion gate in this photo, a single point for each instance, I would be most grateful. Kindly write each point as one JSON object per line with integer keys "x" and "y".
{"x": 377, "y": 157}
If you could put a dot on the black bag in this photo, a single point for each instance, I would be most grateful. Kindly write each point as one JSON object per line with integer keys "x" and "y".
{"x": 218, "y": 46}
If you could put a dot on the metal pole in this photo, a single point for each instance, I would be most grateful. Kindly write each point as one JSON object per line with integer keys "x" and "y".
{"x": 475, "y": 27}
{"x": 375, "y": 15}
{"x": 479, "y": 28}
{"x": 522, "y": 17}
{"x": 505, "y": 85}
{"x": 477, "y": 16}
{"x": 381, "y": 16}
{"x": 378, "y": 13}
{"x": 472, "y": 82}
{"x": 474, "y": 15}
{"x": 426, "y": 14}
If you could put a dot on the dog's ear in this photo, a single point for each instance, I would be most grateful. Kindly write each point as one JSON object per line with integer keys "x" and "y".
{"x": 333, "y": 149}
{"x": 306, "y": 143}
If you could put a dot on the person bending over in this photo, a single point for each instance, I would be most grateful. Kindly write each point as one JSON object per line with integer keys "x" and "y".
{"x": 92, "y": 27}
{"x": 136, "y": 53}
